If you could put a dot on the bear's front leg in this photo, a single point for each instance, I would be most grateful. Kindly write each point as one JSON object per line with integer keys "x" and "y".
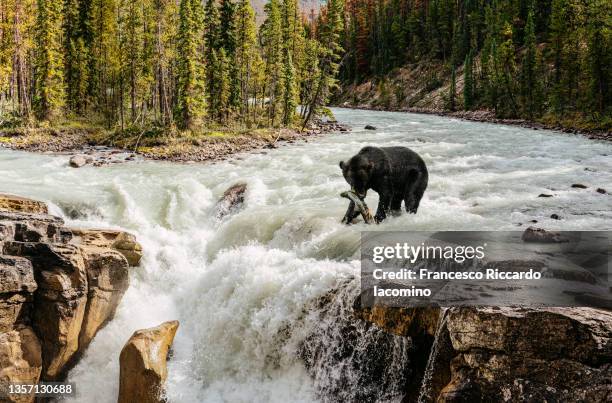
{"x": 384, "y": 201}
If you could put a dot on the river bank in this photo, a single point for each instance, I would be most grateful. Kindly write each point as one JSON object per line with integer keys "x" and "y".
{"x": 486, "y": 116}
{"x": 99, "y": 147}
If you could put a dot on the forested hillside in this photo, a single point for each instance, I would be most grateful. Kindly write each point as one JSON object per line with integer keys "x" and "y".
{"x": 187, "y": 64}
{"x": 547, "y": 60}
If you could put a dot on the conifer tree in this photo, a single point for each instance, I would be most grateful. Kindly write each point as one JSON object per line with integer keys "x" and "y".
{"x": 452, "y": 91}
{"x": 49, "y": 94}
{"x": 228, "y": 41}
{"x": 212, "y": 44}
{"x": 599, "y": 58}
{"x": 222, "y": 86}
{"x": 191, "y": 103}
{"x": 75, "y": 58}
{"x": 247, "y": 56}
{"x": 468, "y": 82}
{"x": 330, "y": 33}
{"x": 271, "y": 37}
{"x": 529, "y": 70}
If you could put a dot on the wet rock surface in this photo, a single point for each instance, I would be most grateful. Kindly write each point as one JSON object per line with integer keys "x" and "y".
{"x": 57, "y": 290}
{"x": 21, "y": 205}
{"x": 123, "y": 242}
{"x": 508, "y": 354}
{"x": 142, "y": 362}
{"x": 231, "y": 201}
{"x": 540, "y": 235}
{"x": 101, "y": 155}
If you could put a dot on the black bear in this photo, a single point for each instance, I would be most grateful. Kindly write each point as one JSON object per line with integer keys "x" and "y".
{"x": 396, "y": 173}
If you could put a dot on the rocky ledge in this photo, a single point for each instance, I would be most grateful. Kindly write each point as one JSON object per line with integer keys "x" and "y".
{"x": 58, "y": 288}
{"x": 504, "y": 354}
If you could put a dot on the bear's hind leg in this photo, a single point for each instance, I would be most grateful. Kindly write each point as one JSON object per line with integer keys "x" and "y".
{"x": 414, "y": 192}
{"x": 396, "y": 204}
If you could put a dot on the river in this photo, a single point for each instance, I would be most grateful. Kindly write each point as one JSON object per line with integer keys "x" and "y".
{"x": 244, "y": 288}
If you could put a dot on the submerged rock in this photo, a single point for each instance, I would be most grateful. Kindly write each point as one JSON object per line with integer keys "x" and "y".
{"x": 78, "y": 161}
{"x": 231, "y": 201}
{"x": 579, "y": 186}
{"x": 601, "y": 191}
{"x": 142, "y": 362}
{"x": 370, "y": 127}
{"x": 539, "y": 235}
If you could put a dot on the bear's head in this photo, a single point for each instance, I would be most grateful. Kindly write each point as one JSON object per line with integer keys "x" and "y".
{"x": 357, "y": 173}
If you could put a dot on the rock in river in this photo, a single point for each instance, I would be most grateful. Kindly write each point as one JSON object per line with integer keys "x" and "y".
{"x": 539, "y": 235}
{"x": 78, "y": 161}
{"x": 232, "y": 200}
{"x": 142, "y": 362}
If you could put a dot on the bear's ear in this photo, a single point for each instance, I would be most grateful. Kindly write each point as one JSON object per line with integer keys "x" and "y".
{"x": 341, "y": 164}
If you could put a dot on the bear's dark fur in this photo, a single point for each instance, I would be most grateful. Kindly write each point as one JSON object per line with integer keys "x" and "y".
{"x": 396, "y": 173}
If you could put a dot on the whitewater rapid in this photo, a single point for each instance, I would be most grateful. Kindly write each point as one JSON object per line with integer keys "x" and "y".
{"x": 245, "y": 288}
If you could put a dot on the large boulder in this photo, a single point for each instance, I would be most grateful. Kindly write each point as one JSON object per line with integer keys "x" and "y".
{"x": 142, "y": 362}
{"x": 21, "y": 204}
{"x": 508, "y": 354}
{"x": 20, "y": 360}
{"x": 121, "y": 241}
{"x": 231, "y": 201}
{"x": 514, "y": 354}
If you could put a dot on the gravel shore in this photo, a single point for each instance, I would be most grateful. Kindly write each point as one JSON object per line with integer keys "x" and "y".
{"x": 85, "y": 144}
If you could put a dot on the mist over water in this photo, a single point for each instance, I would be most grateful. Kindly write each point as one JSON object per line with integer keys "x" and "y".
{"x": 247, "y": 289}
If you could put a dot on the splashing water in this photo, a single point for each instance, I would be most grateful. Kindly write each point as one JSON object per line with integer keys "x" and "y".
{"x": 247, "y": 289}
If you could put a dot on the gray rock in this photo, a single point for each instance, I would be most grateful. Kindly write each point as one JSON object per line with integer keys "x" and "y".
{"x": 539, "y": 235}
{"x": 78, "y": 161}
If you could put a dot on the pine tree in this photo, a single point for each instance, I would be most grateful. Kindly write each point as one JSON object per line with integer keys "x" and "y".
{"x": 105, "y": 63}
{"x": 228, "y": 41}
{"x": 49, "y": 94}
{"x": 558, "y": 38}
{"x": 529, "y": 81}
{"x": 212, "y": 44}
{"x": 191, "y": 103}
{"x": 452, "y": 91}
{"x": 506, "y": 65}
{"x": 330, "y": 54}
{"x": 75, "y": 58}
{"x": 271, "y": 37}
{"x": 289, "y": 89}
{"x": 248, "y": 59}
{"x": 288, "y": 79}
{"x": 599, "y": 59}
{"x": 468, "y": 82}
{"x": 222, "y": 87}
